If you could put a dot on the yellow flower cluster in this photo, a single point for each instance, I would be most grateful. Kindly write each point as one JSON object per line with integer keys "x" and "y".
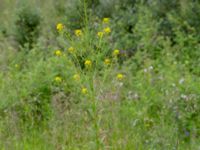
{"x": 120, "y": 76}
{"x": 84, "y": 90}
{"x": 58, "y": 53}
{"x": 58, "y": 79}
{"x": 106, "y": 20}
{"x": 100, "y": 34}
{"x": 59, "y": 26}
{"x": 107, "y": 61}
{"x": 16, "y": 66}
{"x": 107, "y": 30}
{"x": 116, "y": 52}
{"x": 71, "y": 50}
{"x": 88, "y": 63}
{"x": 78, "y": 32}
{"x": 76, "y": 77}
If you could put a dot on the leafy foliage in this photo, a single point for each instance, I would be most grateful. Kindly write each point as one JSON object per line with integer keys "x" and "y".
{"x": 27, "y": 26}
{"x": 108, "y": 74}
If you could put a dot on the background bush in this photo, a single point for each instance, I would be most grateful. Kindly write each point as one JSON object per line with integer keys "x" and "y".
{"x": 156, "y": 104}
{"x": 27, "y": 26}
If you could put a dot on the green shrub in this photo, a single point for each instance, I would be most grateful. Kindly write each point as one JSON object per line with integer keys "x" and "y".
{"x": 27, "y": 26}
{"x": 73, "y": 92}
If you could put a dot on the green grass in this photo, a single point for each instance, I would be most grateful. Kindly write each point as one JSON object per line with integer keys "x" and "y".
{"x": 155, "y": 105}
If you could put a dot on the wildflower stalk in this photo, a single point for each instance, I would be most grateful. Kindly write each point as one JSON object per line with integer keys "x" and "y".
{"x": 92, "y": 95}
{"x": 96, "y": 115}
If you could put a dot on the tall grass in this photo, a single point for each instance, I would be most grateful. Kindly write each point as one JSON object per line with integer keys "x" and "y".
{"x": 101, "y": 83}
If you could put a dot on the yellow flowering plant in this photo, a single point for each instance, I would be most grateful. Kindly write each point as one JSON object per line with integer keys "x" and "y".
{"x": 100, "y": 34}
{"x": 76, "y": 77}
{"x": 78, "y": 32}
{"x": 59, "y": 27}
{"x": 120, "y": 76}
{"x": 16, "y": 66}
{"x": 71, "y": 49}
{"x": 106, "y": 20}
{"x": 107, "y": 30}
{"x": 88, "y": 63}
{"x": 84, "y": 90}
{"x": 58, "y": 53}
{"x": 116, "y": 52}
{"x": 107, "y": 61}
{"x": 58, "y": 79}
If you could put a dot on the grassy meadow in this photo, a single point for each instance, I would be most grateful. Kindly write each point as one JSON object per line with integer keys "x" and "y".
{"x": 99, "y": 75}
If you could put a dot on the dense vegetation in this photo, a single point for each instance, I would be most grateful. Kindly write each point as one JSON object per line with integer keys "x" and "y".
{"x": 100, "y": 74}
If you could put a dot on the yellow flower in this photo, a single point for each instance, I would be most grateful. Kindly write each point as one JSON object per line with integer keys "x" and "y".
{"x": 100, "y": 34}
{"x": 106, "y": 20}
{"x": 84, "y": 90}
{"x": 120, "y": 76}
{"x": 78, "y": 32}
{"x": 58, "y": 53}
{"x": 88, "y": 63}
{"x": 107, "y": 61}
{"x": 16, "y": 66}
{"x": 107, "y": 30}
{"x": 76, "y": 77}
{"x": 116, "y": 52}
{"x": 58, "y": 79}
{"x": 59, "y": 26}
{"x": 71, "y": 49}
